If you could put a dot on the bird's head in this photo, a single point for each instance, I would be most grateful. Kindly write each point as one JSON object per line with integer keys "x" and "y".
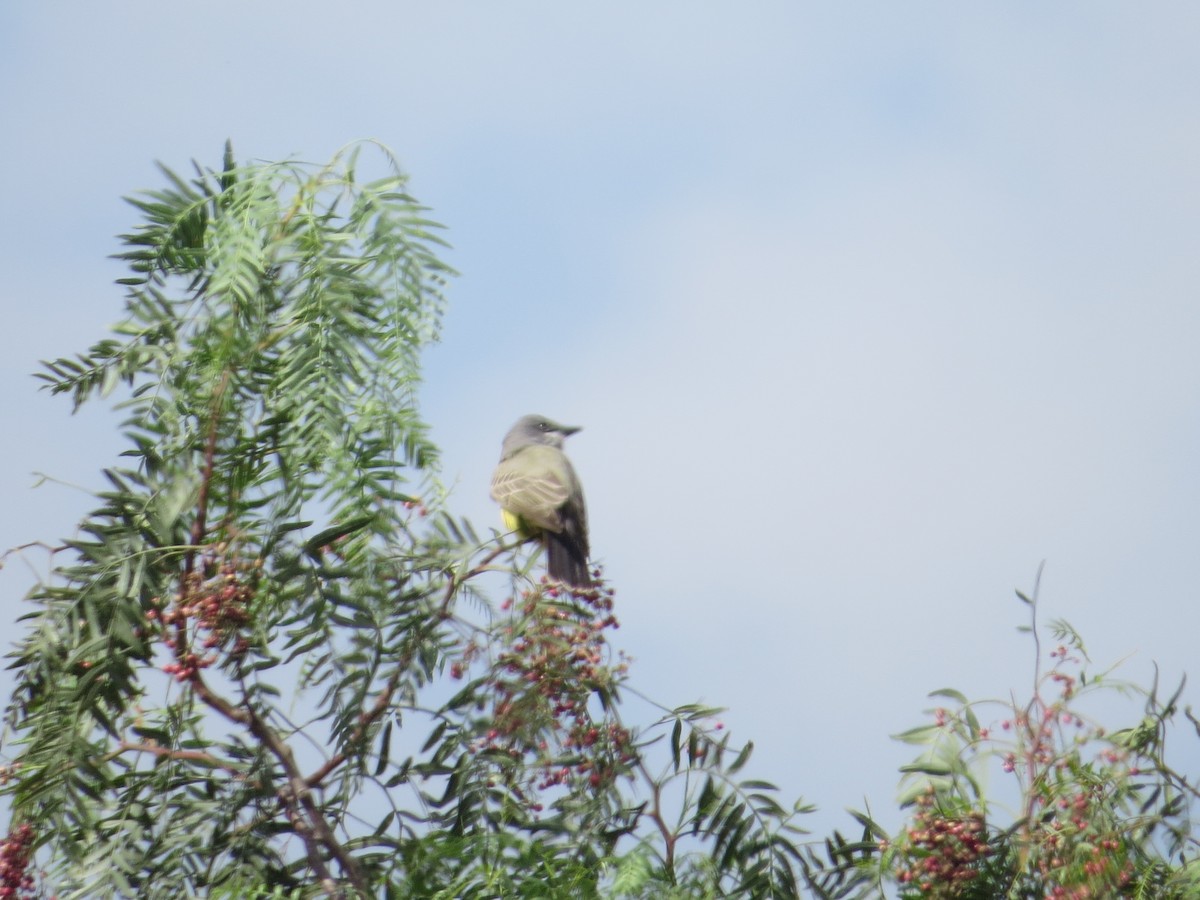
{"x": 535, "y": 430}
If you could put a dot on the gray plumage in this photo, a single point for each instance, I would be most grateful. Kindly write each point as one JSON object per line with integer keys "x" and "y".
{"x": 540, "y": 494}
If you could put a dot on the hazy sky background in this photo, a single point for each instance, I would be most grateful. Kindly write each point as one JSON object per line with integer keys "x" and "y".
{"x": 866, "y": 309}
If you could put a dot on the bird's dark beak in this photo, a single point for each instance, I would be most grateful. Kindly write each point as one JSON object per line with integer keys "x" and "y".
{"x": 569, "y": 430}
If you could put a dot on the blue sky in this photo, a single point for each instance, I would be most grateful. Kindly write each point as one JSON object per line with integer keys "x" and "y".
{"x": 866, "y": 308}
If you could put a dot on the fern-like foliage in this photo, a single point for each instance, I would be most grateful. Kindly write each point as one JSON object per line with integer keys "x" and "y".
{"x": 267, "y": 666}
{"x": 267, "y": 365}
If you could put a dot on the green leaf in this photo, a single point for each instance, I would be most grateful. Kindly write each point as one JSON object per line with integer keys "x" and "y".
{"x": 741, "y": 758}
{"x": 952, "y": 694}
{"x": 336, "y": 532}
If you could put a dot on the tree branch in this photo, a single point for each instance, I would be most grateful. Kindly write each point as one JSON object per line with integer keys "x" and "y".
{"x": 383, "y": 701}
{"x": 303, "y": 813}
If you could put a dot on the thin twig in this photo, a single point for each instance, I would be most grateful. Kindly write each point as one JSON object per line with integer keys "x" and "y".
{"x": 160, "y": 751}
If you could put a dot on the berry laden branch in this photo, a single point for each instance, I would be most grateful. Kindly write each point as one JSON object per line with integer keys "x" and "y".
{"x": 219, "y": 608}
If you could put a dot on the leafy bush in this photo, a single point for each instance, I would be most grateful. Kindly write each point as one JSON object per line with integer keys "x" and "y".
{"x": 1096, "y": 814}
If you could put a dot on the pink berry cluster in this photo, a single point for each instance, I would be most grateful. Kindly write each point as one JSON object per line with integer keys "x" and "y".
{"x": 1077, "y": 851}
{"x": 16, "y": 881}
{"x": 1072, "y": 780}
{"x": 555, "y": 659}
{"x": 216, "y": 601}
{"x": 469, "y": 654}
{"x": 604, "y": 752}
{"x": 944, "y": 850}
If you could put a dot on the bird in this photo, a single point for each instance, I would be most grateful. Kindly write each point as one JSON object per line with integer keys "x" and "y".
{"x": 540, "y": 496}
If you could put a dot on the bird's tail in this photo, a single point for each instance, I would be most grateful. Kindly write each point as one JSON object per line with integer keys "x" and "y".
{"x": 566, "y": 561}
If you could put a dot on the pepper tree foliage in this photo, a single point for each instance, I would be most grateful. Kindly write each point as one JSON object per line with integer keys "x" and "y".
{"x": 1074, "y": 812}
{"x": 271, "y": 662}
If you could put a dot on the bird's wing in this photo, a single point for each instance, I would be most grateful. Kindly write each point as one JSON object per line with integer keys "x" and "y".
{"x": 534, "y": 484}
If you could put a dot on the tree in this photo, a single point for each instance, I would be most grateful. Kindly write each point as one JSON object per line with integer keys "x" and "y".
{"x": 270, "y": 664}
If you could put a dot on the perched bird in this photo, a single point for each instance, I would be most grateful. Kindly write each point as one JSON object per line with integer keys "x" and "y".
{"x": 540, "y": 496}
